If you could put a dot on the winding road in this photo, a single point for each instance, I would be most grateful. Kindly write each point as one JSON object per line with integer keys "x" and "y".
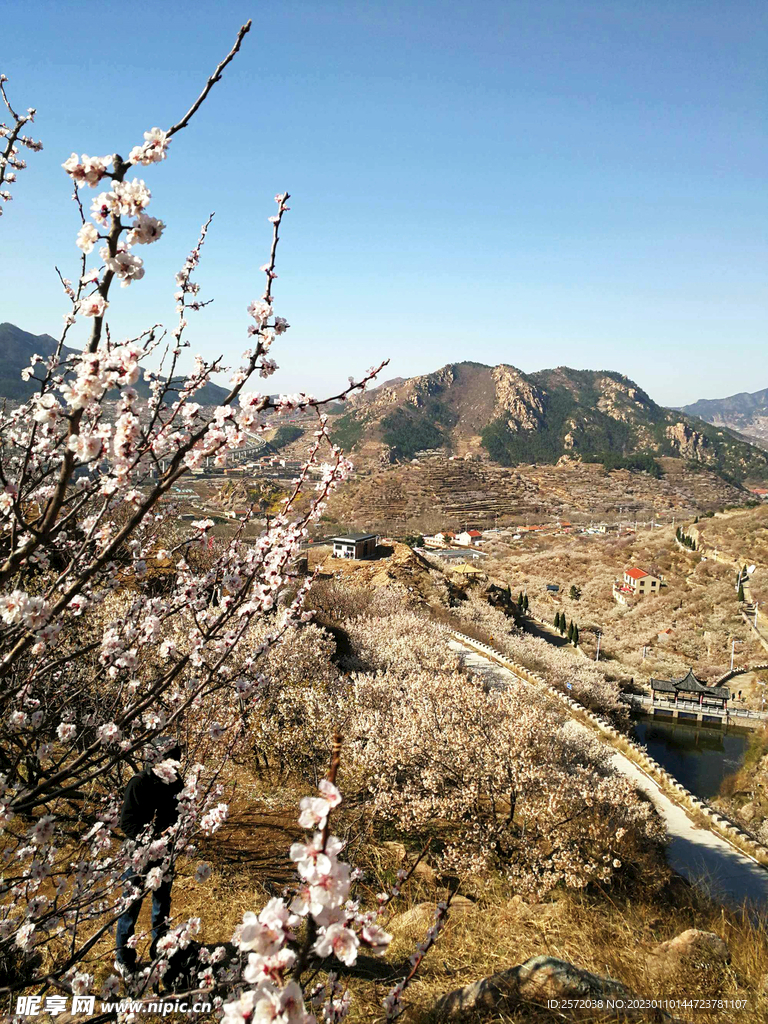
{"x": 699, "y": 855}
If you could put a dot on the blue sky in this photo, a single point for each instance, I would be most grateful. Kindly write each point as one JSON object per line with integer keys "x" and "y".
{"x": 536, "y": 182}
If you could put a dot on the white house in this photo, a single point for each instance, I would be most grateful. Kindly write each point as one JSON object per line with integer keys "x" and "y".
{"x": 469, "y": 538}
{"x": 354, "y": 545}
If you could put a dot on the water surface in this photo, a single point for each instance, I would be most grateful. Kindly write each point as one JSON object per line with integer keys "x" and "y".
{"x": 698, "y": 756}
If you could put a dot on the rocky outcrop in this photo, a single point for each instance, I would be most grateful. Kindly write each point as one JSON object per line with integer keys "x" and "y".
{"x": 535, "y": 981}
{"x": 621, "y": 399}
{"x": 429, "y": 385}
{"x": 693, "y": 956}
{"x": 517, "y": 400}
{"x": 689, "y": 443}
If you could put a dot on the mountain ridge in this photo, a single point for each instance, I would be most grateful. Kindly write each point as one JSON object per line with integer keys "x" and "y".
{"x": 509, "y": 417}
{"x": 745, "y": 412}
{"x": 17, "y": 347}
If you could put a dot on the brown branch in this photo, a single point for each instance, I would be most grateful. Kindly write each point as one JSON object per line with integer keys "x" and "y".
{"x": 215, "y": 77}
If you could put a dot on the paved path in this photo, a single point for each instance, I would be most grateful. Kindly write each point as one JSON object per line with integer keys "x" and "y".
{"x": 699, "y": 855}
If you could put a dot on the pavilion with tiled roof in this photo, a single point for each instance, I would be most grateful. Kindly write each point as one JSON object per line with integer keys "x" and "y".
{"x": 689, "y": 689}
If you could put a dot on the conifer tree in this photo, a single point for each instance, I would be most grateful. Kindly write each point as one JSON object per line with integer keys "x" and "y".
{"x": 741, "y": 592}
{"x": 575, "y": 635}
{"x": 570, "y": 631}
{"x": 557, "y": 620}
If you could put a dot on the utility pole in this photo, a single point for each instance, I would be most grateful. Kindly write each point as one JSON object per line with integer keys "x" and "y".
{"x": 599, "y": 637}
{"x": 733, "y": 647}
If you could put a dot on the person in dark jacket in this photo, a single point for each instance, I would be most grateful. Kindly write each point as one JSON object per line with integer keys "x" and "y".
{"x": 150, "y": 808}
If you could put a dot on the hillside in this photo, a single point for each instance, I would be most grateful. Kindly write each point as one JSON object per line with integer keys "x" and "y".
{"x": 18, "y": 347}
{"x": 747, "y": 413}
{"x": 513, "y": 418}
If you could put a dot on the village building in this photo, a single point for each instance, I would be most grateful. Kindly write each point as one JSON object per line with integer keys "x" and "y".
{"x": 354, "y": 545}
{"x": 690, "y": 692}
{"x": 455, "y": 554}
{"x": 639, "y": 582}
{"x": 469, "y": 537}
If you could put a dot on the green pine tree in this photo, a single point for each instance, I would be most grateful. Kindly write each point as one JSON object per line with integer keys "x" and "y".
{"x": 525, "y": 602}
{"x": 520, "y": 601}
{"x": 570, "y": 631}
{"x": 575, "y": 635}
{"x": 741, "y": 592}
{"x": 562, "y": 622}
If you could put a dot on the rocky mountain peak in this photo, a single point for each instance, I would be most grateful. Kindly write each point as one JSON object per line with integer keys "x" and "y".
{"x": 519, "y": 401}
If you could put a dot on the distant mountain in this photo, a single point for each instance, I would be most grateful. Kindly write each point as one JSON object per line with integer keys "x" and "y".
{"x": 17, "y": 348}
{"x": 510, "y": 417}
{"x": 746, "y": 413}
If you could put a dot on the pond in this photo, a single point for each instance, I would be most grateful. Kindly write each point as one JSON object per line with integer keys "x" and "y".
{"x": 698, "y": 756}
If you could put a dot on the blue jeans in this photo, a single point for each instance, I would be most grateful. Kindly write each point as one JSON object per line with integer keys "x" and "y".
{"x": 126, "y": 924}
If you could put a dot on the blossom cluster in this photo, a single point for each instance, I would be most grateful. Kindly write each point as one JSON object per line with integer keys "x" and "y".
{"x": 338, "y": 926}
{"x": 97, "y": 661}
{"x": 15, "y": 140}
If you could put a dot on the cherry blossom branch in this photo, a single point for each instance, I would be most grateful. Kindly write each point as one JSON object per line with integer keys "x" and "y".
{"x": 9, "y": 157}
{"x": 214, "y": 78}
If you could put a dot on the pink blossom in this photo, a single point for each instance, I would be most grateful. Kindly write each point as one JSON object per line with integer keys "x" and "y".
{"x": 153, "y": 150}
{"x": 166, "y": 770}
{"x": 109, "y": 733}
{"x": 92, "y": 305}
{"x": 203, "y": 871}
{"x": 87, "y": 237}
{"x": 154, "y": 878}
{"x": 145, "y": 230}
{"x": 340, "y": 941}
{"x": 88, "y": 170}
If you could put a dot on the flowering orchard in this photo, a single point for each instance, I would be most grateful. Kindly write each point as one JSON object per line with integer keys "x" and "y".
{"x": 96, "y": 665}
{"x": 500, "y": 779}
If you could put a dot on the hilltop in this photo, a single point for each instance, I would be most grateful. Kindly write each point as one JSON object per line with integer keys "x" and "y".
{"x": 511, "y": 418}
{"x": 746, "y": 413}
{"x": 18, "y": 347}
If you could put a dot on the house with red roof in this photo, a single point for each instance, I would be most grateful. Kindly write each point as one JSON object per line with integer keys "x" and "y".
{"x": 469, "y": 538}
{"x": 639, "y": 582}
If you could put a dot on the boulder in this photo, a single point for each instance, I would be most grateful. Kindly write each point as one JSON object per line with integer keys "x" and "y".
{"x": 394, "y": 850}
{"x": 421, "y": 917}
{"x": 693, "y": 955}
{"x": 747, "y": 812}
{"x": 537, "y": 980}
{"x": 425, "y": 872}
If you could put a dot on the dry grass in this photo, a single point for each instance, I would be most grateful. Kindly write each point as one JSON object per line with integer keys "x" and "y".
{"x": 610, "y": 935}
{"x": 608, "y": 932}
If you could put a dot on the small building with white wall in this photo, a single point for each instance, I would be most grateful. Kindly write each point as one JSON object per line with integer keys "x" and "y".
{"x": 355, "y": 545}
